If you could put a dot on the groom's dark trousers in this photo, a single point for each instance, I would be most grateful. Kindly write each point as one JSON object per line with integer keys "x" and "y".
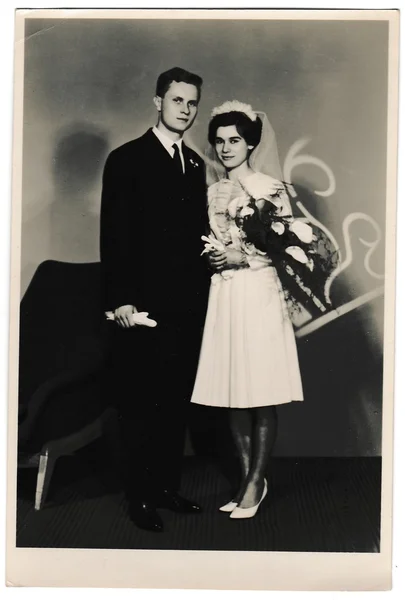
{"x": 152, "y": 219}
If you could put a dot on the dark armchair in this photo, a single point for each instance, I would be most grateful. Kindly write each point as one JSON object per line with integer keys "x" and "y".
{"x": 63, "y": 363}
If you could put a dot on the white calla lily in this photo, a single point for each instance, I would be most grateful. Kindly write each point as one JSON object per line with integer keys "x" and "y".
{"x": 302, "y": 231}
{"x": 297, "y": 253}
{"x": 276, "y": 203}
{"x": 278, "y": 227}
{"x": 246, "y": 211}
{"x": 261, "y": 186}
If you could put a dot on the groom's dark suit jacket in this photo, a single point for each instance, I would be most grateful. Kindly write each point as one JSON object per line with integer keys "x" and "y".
{"x": 152, "y": 219}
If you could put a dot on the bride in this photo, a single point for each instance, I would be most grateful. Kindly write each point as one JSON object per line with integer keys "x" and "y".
{"x": 248, "y": 361}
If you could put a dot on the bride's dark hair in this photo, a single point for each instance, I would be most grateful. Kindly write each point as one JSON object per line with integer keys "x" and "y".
{"x": 251, "y": 131}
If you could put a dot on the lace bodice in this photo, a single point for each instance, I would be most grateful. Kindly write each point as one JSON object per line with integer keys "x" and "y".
{"x": 227, "y": 199}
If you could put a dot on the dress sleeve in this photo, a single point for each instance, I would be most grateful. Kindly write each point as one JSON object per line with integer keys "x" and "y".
{"x": 211, "y": 207}
{"x": 211, "y": 194}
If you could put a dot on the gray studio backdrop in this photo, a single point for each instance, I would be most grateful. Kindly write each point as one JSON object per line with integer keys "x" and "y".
{"x": 88, "y": 87}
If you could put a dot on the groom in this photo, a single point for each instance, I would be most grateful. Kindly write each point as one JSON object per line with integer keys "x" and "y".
{"x": 153, "y": 213}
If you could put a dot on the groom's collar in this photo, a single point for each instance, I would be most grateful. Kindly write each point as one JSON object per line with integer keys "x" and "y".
{"x": 166, "y": 141}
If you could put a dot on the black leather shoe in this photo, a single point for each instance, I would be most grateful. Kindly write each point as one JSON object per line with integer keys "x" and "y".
{"x": 172, "y": 501}
{"x": 144, "y": 516}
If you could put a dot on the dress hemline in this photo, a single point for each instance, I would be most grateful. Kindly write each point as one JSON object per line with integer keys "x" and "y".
{"x": 212, "y": 405}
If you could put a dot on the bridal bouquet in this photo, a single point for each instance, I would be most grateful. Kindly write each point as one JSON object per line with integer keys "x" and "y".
{"x": 302, "y": 259}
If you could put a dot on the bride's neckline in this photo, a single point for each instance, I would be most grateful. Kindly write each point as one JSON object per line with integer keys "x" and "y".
{"x": 241, "y": 180}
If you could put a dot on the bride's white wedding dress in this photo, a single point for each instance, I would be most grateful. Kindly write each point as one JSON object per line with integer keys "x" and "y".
{"x": 248, "y": 355}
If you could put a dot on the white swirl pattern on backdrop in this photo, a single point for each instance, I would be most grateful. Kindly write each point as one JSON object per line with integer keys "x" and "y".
{"x": 295, "y": 159}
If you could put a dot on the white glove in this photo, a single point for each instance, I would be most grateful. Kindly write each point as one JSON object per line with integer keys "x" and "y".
{"x": 212, "y": 244}
{"x": 139, "y": 318}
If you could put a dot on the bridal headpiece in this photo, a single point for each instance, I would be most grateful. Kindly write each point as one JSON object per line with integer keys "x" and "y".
{"x": 234, "y": 105}
{"x": 264, "y": 157}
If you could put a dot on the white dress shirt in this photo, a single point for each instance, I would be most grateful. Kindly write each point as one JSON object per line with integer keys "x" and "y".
{"x": 168, "y": 144}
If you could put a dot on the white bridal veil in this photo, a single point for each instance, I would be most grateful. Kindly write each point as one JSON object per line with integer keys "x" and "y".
{"x": 263, "y": 159}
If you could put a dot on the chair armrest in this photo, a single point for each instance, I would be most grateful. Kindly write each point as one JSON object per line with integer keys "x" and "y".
{"x": 61, "y": 381}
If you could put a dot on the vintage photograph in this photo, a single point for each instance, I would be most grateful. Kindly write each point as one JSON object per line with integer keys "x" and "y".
{"x": 204, "y": 245}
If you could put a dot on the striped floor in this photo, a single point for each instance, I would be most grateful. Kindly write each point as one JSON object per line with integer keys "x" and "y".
{"x": 314, "y": 505}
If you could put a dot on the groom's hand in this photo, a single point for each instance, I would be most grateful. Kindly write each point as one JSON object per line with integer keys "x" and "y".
{"x": 231, "y": 258}
{"x": 123, "y": 316}
{"x": 217, "y": 260}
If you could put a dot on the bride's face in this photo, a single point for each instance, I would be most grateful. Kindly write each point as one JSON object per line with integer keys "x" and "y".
{"x": 231, "y": 148}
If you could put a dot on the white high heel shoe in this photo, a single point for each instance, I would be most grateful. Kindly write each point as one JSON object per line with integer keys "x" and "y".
{"x": 248, "y": 513}
{"x": 228, "y": 507}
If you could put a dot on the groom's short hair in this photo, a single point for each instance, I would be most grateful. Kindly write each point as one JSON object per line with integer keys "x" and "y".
{"x": 179, "y": 75}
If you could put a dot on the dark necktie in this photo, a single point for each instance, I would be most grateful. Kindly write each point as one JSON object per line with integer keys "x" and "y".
{"x": 177, "y": 159}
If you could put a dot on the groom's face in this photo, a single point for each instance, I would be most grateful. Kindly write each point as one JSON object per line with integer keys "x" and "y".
{"x": 178, "y": 108}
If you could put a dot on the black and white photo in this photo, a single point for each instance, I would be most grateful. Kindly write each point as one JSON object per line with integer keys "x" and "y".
{"x": 203, "y": 259}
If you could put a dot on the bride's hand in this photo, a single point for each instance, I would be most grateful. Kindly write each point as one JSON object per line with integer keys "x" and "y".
{"x": 235, "y": 258}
